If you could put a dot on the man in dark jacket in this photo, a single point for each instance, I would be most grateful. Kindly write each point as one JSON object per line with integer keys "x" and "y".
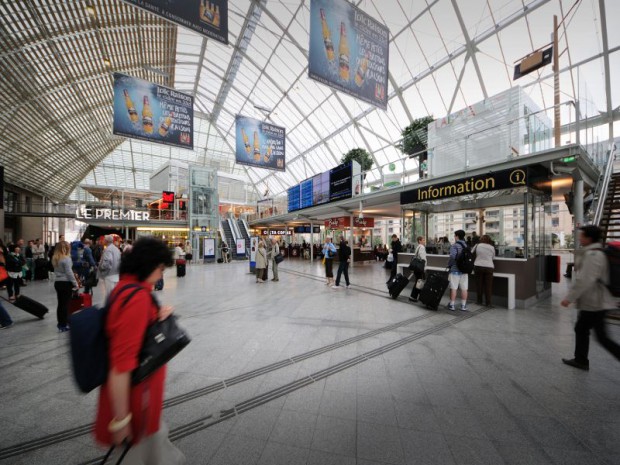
{"x": 396, "y": 248}
{"x": 344, "y": 259}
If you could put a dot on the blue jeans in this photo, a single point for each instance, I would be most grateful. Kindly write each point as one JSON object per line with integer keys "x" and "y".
{"x": 5, "y": 318}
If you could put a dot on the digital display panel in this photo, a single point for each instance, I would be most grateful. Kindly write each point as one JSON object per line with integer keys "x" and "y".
{"x": 306, "y": 194}
{"x": 294, "y": 198}
{"x": 320, "y": 188}
{"x": 340, "y": 182}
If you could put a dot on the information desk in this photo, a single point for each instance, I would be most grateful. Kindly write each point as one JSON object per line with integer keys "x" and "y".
{"x": 515, "y": 283}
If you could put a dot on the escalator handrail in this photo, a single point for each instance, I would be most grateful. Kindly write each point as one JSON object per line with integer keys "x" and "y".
{"x": 602, "y": 195}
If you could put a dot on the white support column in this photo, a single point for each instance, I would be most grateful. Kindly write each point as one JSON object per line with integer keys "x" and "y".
{"x": 351, "y": 242}
{"x": 311, "y": 242}
{"x": 578, "y": 208}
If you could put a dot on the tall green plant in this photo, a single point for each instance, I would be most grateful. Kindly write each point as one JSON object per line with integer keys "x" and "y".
{"x": 359, "y": 155}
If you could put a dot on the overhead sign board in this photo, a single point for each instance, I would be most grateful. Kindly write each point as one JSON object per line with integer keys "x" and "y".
{"x": 533, "y": 62}
{"x": 349, "y": 51}
{"x": 153, "y": 113}
{"x": 206, "y": 17}
{"x": 504, "y": 179}
{"x": 87, "y": 213}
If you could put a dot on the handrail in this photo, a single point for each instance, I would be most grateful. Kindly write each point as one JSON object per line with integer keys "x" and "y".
{"x": 600, "y": 205}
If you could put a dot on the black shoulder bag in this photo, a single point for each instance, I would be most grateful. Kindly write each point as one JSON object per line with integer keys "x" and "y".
{"x": 417, "y": 265}
{"x": 163, "y": 340}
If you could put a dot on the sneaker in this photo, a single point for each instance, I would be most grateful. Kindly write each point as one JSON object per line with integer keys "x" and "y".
{"x": 574, "y": 363}
{"x": 412, "y": 299}
{"x": 336, "y": 286}
{"x": 7, "y": 326}
{"x": 451, "y": 306}
{"x": 463, "y": 308}
{"x": 62, "y": 329}
{"x": 348, "y": 286}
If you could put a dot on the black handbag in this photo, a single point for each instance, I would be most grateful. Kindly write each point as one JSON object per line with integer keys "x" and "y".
{"x": 279, "y": 258}
{"x": 163, "y": 340}
{"x": 416, "y": 264}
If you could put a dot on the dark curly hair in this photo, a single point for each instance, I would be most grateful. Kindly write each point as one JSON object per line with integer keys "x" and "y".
{"x": 146, "y": 255}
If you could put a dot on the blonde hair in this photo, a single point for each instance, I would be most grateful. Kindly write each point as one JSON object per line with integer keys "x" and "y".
{"x": 62, "y": 250}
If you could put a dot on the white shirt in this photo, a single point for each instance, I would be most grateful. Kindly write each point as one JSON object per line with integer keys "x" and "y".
{"x": 485, "y": 253}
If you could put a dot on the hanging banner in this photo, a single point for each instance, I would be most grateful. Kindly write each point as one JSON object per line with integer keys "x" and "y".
{"x": 147, "y": 111}
{"x": 259, "y": 144}
{"x": 349, "y": 51}
{"x": 206, "y": 17}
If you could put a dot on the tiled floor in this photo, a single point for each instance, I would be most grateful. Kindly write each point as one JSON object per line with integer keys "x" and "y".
{"x": 387, "y": 382}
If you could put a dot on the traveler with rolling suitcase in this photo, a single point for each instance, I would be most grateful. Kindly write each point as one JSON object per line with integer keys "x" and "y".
{"x": 396, "y": 285}
{"x": 14, "y": 263}
{"x": 65, "y": 282}
{"x": 417, "y": 265}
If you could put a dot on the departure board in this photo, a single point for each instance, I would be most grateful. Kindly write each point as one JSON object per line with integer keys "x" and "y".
{"x": 306, "y": 194}
{"x": 340, "y": 182}
{"x": 294, "y": 198}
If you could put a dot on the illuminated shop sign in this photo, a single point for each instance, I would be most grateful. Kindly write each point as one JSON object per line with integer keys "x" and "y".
{"x": 86, "y": 213}
{"x": 504, "y": 179}
{"x": 275, "y": 232}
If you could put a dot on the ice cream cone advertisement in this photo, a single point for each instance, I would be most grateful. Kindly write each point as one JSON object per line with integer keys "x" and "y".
{"x": 349, "y": 50}
{"x": 260, "y": 144}
{"x": 150, "y": 112}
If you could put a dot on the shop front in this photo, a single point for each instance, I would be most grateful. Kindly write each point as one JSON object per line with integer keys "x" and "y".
{"x": 358, "y": 231}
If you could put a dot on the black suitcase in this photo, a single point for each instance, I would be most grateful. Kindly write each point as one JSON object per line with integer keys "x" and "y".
{"x": 41, "y": 269}
{"x": 180, "y": 271}
{"x": 396, "y": 285}
{"x": 159, "y": 285}
{"x": 434, "y": 288}
{"x": 31, "y": 306}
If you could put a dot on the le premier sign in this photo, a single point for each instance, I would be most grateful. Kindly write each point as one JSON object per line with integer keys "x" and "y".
{"x": 87, "y": 213}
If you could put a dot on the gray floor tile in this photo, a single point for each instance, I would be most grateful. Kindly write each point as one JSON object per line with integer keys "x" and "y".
{"x": 519, "y": 454}
{"x": 459, "y": 422}
{"x": 294, "y": 428}
{"x": 280, "y": 454}
{"x": 572, "y": 457}
{"x": 379, "y": 443}
{"x": 318, "y": 457}
{"x": 238, "y": 450}
{"x": 416, "y": 416}
{"x": 376, "y": 410}
{"x": 335, "y": 435}
{"x": 469, "y": 451}
{"x": 425, "y": 448}
{"x": 549, "y": 432}
{"x": 257, "y": 423}
{"x": 339, "y": 405}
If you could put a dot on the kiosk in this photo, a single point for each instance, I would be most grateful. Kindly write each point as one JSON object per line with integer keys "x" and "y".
{"x": 359, "y": 235}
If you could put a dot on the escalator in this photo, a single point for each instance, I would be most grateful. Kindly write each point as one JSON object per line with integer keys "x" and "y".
{"x": 243, "y": 228}
{"x": 230, "y": 240}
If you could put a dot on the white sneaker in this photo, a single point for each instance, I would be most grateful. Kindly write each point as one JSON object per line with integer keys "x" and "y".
{"x": 335, "y": 286}
{"x": 348, "y": 286}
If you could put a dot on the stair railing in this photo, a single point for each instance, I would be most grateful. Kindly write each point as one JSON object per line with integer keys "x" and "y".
{"x": 602, "y": 194}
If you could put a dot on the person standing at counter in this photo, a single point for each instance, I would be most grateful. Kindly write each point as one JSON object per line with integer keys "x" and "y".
{"x": 396, "y": 248}
{"x": 329, "y": 252}
{"x": 420, "y": 252}
{"x": 483, "y": 267}
{"x": 458, "y": 279}
{"x": 593, "y": 299}
{"x": 344, "y": 258}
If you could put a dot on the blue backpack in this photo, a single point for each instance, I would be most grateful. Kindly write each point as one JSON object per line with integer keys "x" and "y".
{"x": 89, "y": 342}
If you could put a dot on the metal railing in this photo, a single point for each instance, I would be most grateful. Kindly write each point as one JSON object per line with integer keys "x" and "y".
{"x": 601, "y": 194}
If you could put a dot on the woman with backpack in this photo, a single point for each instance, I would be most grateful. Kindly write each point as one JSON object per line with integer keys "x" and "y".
{"x": 129, "y": 412}
{"x": 14, "y": 264}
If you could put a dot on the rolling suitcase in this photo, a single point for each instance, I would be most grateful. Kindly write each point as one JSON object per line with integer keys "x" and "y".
{"x": 31, "y": 306}
{"x": 180, "y": 267}
{"x": 396, "y": 285}
{"x": 41, "y": 269}
{"x": 434, "y": 288}
{"x": 80, "y": 301}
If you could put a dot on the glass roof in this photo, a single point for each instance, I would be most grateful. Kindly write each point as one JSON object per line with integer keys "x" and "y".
{"x": 435, "y": 45}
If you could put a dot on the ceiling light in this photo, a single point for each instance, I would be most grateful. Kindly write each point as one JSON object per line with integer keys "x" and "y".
{"x": 91, "y": 11}
{"x": 107, "y": 62}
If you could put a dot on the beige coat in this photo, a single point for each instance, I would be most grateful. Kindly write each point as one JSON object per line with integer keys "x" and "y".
{"x": 589, "y": 289}
{"x": 261, "y": 258}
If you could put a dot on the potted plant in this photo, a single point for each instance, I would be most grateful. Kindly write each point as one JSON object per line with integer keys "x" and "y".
{"x": 415, "y": 137}
{"x": 359, "y": 155}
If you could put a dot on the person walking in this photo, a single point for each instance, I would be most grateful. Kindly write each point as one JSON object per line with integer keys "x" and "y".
{"x": 458, "y": 280}
{"x": 396, "y": 249}
{"x": 127, "y": 412}
{"x": 483, "y": 268}
{"x": 261, "y": 263}
{"x": 344, "y": 259}
{"x": 275, "y": 250}
{"x": 89, "y": 266}
{"x": 224, "y": 250}
{"x": 589, "y": 292}
{"x": 420, "y": 252}
{"x": 109, "y": 267}
{"x": 5, "y": 319}
{"x": 64, "y": 282}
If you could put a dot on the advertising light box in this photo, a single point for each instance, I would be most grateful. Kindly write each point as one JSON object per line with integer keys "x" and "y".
{"x": 206, "y": 17}
{"x": 259, "y": 144}
{"x": 320, "y": 188}
{"x": 349, "y": 51}
{"x": 153, "y": 113}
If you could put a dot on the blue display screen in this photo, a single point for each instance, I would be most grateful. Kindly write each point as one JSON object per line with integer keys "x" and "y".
{"x": 294, "y": 198}
{"x": 306, "y": 194}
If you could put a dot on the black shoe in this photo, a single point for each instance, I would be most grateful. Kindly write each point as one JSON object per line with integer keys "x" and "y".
{"x": 574, "y": 363}
{"x": 412, "y": 299}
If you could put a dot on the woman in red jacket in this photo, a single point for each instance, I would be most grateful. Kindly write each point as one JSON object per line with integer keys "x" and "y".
{"x": 128, "y": 412}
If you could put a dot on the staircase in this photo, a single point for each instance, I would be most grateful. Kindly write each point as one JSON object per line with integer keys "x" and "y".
{"x": 244, "y": 233}
{"x": 232, "y": 245}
